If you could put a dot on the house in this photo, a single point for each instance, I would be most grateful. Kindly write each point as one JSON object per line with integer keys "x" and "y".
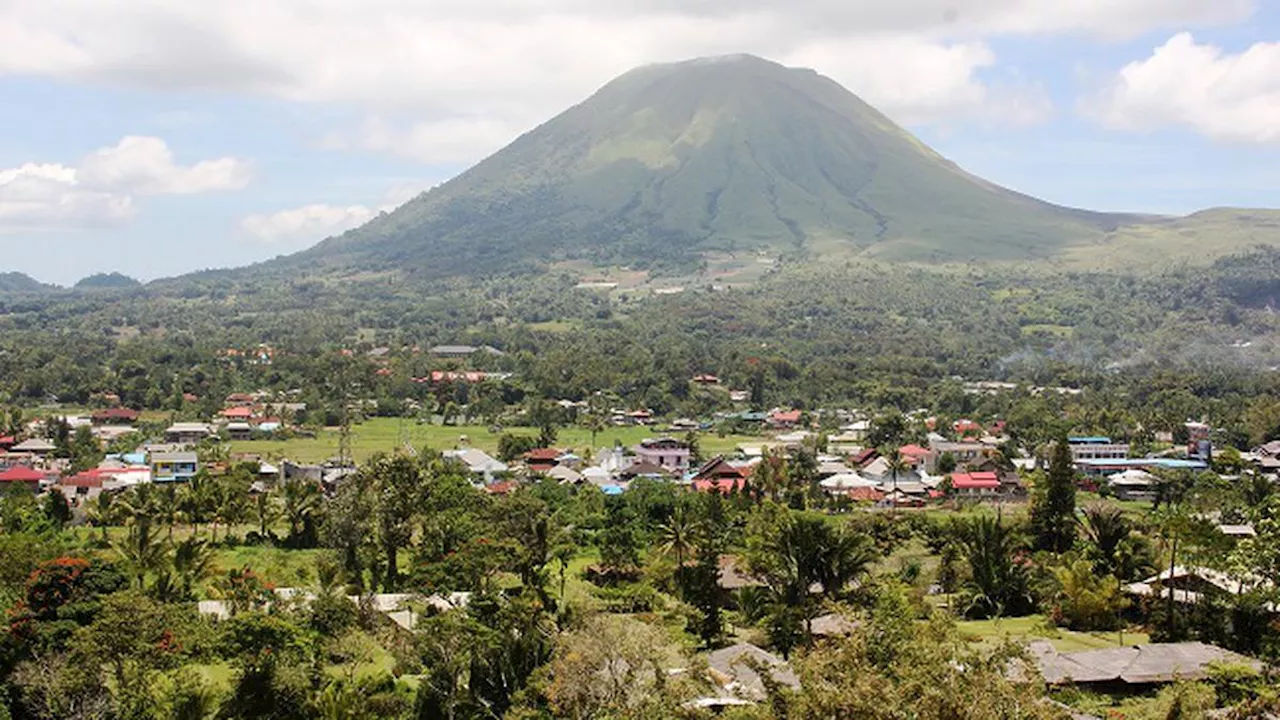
{"x": 35, "y": 446}
{"x": 1101, "y": 466}
{"x": 21, "y": 476}
{"x": 706, "y": 379}
{"x": 115, "y": 416}
{"x": 963, "y": 452}
{"x": 915, "y": 456}
{"x": 1134, "y": 666}
{"x": 1096, "y": 448}
{"x": 78, "y": 488}
{"x": 856, "y": 432}
{"x": 239, "y": 431}
{"x": 565, "y": 475}
{"x": 541, "y": 460}
{"x": 779, "y": 419}
{"x": 460, "y": 351}
{"x": 664, "y": 452}
{"x": 645, "y": 469}
{"x": 720, "y": 476}
{"x": 1133, "y": 484}
{"x": 174, "y": 466}
{"x": 1189, "y": 585}
{"x": 736, "y": 670}
{"x": 187, "y": 433}
{"x": 845, "y": 483}
{"x": 975, "y": 485}
{"x": 482, "y": 466}
{"x": 7, "y": 442}
{"x": 237, "y": 413}
{"x": 240, "y": 400}
{"x": 967, "y": 428}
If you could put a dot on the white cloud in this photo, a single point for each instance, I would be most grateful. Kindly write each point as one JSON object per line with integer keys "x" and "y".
{"x": 1220, "y": 95}
{"x": 446, "y": 141}
{"x": 37, "y": 197}
{"x": 99, "y": 191}
{"x": 305, "y": 224}
{"x": 464, "y": 75}
{"x": 144, "y": 165}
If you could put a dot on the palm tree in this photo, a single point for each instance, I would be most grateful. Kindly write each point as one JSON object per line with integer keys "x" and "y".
{"x": 1105, "y": 527}
{"x": 897, "y": 466}
{"x": 998, "y": 583}
{"x": 301, "y": 500}
{"x": 265, "y": 511}
{"x": 192, "y": 562}
{"x": 194, "y": 499}
{"x": 141, "y": 552}
{"x": 677, "y": 535}
{"x": 101, "y": 512}
{"x": 168, "y": 507}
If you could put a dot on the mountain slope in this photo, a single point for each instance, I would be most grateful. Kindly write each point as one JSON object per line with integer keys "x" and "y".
{"x": 668, "y": 163}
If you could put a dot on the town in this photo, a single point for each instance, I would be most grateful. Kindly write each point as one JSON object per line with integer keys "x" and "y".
{"x": 641, "y": 514}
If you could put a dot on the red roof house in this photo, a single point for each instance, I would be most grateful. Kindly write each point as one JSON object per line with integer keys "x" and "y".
{"x": 21, "y": 475}
{"x": 784, "y": 418}
{"x": 542, "y": 459}
{"x": 965, "y": 427}
{"x": 914, "y": 454}
{"x": 719, "y": 476}
{"x": 239, "y": 412}
{"x": 7, "y": 442}
{"x": 977, "y": 483}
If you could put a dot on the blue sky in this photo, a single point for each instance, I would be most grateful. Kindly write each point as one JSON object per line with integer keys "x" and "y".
{"x": 159, "y": 137}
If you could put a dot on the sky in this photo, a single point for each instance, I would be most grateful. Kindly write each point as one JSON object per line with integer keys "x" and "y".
{"x": 158, "y": 137}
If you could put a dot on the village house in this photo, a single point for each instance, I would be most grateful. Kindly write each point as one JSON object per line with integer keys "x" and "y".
{"x": 481, "y": 465}
{"x": 1124, "y": 669}
{"x": 187, "y": 433}
{"x": 115, "y": 416}
{"x": 174, "y": 466}
{"x": 975, "y": 485}
{"x": 719, "y": 475}
{"x": 541, "y": 460}
{"x": 21, "y": 476}
{"x": 783, "y": 419}
{"x": 964, "y": 453}
{"x": 38, "y": 447}
{"x": 667, "y": 453}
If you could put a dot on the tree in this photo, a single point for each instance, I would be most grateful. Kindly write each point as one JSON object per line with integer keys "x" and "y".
{"x": 56, "y": 509}
{"x": 1105, "y": 528}
{"x": 676, "y": 540}
{"x": 997, "y": 584}
{"x": 301, "y": 503}
{"x": 1053, "y": 510}
{"x": 397, "y": 484}
{"x": 1084, "y": 599}
{"x": 265, "y": 512}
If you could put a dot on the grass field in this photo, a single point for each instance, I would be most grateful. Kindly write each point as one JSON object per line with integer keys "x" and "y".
{"x": 388, "y": 434}
{"x": 1035, "y": 627}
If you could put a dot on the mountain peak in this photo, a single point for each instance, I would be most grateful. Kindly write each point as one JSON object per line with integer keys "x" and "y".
{"x": 671, "y": 164}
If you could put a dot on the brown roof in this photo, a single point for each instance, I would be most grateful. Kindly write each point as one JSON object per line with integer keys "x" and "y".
{"x": 645, "y": 468}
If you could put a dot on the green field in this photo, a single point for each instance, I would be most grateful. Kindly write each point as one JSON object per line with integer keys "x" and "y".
{"x": 1035, "y": 627}
{"x": 383, "y": 435}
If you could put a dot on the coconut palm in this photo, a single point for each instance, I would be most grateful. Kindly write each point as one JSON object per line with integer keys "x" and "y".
{"x": 194, "y": 499}
{"x": 897, "y": 466}
{"x": 1105, "y": 527}
{"x": 142, "y": 552}
{"x": 998, "y": 583}
{"x": 101, "y": 512}
{"x": 301, "y": 501}
{"x": 265, "y": 511}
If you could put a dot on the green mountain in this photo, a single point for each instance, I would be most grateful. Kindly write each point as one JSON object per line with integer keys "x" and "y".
{"x": 670, "y": 165}
{"x": 16, "y": 282}
{"x": 107, "y": 281}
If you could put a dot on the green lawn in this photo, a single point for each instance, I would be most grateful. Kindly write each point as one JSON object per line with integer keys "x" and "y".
{"x": 388, "y": 434}
{"x": 1034, "y": 627}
